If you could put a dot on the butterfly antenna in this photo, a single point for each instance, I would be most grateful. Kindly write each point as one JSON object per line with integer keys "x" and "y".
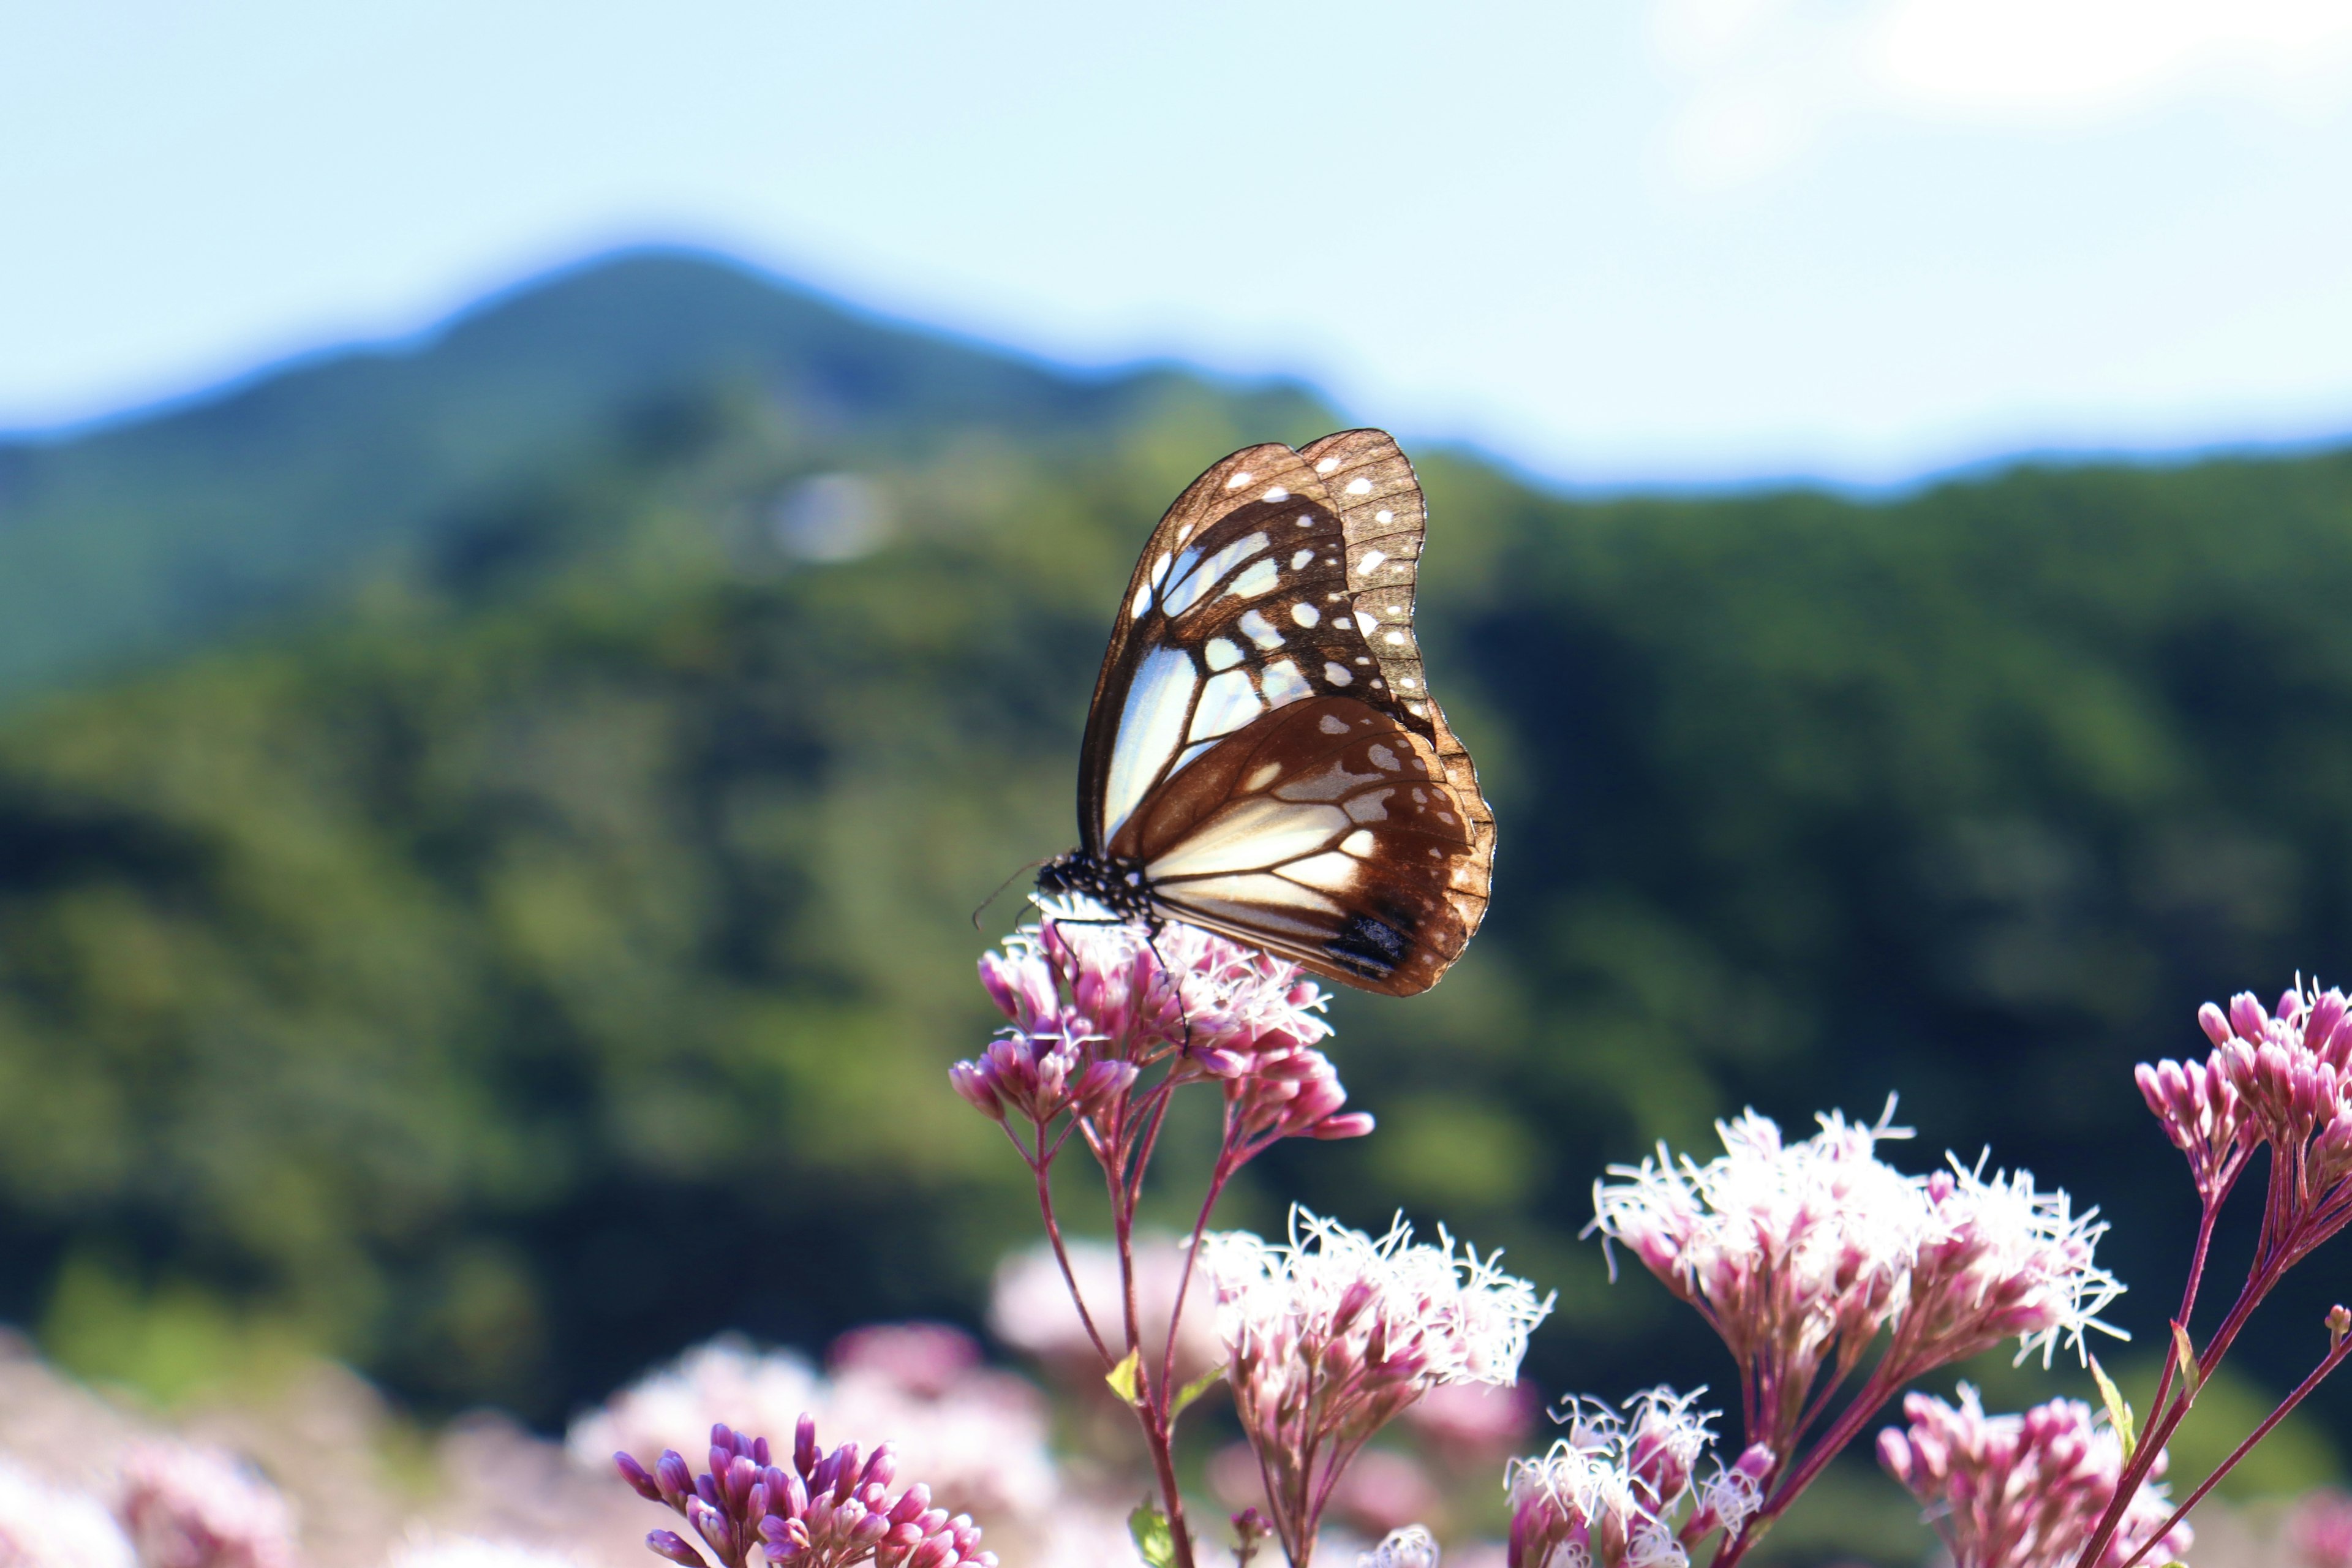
{"x": 1008, "y": 881}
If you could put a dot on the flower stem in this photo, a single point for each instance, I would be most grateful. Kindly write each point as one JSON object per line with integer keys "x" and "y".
{"x": 2327, "y": 1364}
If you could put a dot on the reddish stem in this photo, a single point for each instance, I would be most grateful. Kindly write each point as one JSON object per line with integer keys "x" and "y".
{"x": 2327, "y": 1364}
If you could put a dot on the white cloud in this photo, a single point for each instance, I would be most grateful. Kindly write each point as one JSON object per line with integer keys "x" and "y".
{"x": 1764, "y": 80}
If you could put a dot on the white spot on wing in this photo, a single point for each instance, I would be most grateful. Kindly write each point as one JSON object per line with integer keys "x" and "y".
{"x": 1327, "y": 465}
{"x": 1332, "y": 873}
{"x": 1283, "y": 684}
{"x": 1142, "y": 600}
{"x": 1396, "y": 639}
{"x": 1222, "y": 653}
{"x": 1332, "y": 724}
{"x": 1251, "y": 835}
{"x": 1371, "y": 562}
{"x": 1259, "y": 899}
{"x": 1382, "y": 758}
{"x": 1367, "y": 622}
{"x": 1261, "y": 577}
{"x": 1195, "y": 577}
{"x": 1371, "y": 807}
{"x": 1259, "y": 630}
{"x": 1262, "y": 776}
{"x": 1301, "y": 559}
{"x": 1150, "y": 726}
{"x": 1228, "y": 702}
{"x": 1304, "y": 613}
{"x": 1359, "y": 842}
{"x": 1306, "y": 521}
{"x": 1336, "y": 674}
{"x": 1239, "y": 480}
{"x": 1360, "y": 487}
{"x": 1383, "y": 517}
{"x": 1277, "y": 494}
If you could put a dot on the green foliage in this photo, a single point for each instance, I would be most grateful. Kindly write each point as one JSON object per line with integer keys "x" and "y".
{"x": 538, "y": 946}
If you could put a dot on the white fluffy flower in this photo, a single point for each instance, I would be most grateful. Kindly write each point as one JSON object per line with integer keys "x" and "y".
{"x": 1412, "y": 1547}
{"x": 1457, "y": 1317}
{"x": 1332, "y": 1336}
{"x": 46, "y": 1527}
{"x": 1624, "y": 1483}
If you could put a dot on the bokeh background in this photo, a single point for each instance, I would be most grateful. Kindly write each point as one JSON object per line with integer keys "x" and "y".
{"x": 551, "y": 555}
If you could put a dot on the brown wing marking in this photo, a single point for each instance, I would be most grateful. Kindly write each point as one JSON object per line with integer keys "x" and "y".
{"x": 1384, "y": 519}
{"x": 1325, "y": 832}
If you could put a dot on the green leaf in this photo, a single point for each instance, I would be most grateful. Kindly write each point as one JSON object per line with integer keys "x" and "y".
{"x": 1154, "y": 1537}
{"x": 1197, "y": 1387}
{"x": 1122, "y": 1377}
{"x": 2190, "y": 1378}
{"x": 2119, "y": 1410}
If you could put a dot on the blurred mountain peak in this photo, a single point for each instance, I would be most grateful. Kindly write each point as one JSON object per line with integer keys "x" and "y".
{"x": 138, "y": 538}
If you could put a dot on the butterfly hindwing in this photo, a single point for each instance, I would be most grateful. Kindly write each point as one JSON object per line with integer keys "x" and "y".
{"x": 1262, "y": 679}
{"x": 1384, "y": 519}
{"x": 1323, "y": 831}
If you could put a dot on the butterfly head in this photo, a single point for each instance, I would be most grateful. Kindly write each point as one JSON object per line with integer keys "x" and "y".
{"x": 1118, "y": 885}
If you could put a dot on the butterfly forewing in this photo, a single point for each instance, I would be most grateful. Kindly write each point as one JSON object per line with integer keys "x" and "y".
{"x": 1239, "y": 605}
{"x": 1262, "y": 744}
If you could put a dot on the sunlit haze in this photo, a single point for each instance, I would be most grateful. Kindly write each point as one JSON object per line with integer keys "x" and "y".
{"x": 1683, "y": 240}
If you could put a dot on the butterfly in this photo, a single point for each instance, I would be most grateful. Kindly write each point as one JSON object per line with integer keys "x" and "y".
{"x": 1263, "y": 758}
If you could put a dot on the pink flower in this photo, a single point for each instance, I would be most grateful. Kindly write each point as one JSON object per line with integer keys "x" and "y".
{"x": 980, "y": 1441}
{"x": 2283, "y": 1080}
{"x": 2021, "y": 1491}
{"x": 1332, "y": 1336}
{"x": 187, "y": 1506}
{"x": 1621, "y": 1490}
{"x": 921, "y": 1360}
{"x": 2320, "y": 1529}
{"x": 1092, "y": 1007}
{"x": 1997, "y": 1260}
{"x": 822, "y": 1510}
{"x": 1798, "y": 1254}
{"x": 1383, "y": 1491}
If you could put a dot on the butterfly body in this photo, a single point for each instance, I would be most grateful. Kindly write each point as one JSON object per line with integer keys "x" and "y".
{"x": 1263, "y": 758}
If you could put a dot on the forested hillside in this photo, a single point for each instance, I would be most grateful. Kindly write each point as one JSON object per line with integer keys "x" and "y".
{"x": 507, "y": 914}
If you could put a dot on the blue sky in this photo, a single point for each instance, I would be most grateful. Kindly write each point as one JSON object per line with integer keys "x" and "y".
{"x": 1614, "y": 240}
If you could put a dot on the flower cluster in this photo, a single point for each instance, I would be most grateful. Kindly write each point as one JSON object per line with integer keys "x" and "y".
{"x": 1334, "y": 1334}
{"x": 1622, "y": 1489}
{"x": 978, "y": 1436}
{"x": 1798, "y": 1254}
{"x": 2283, "y": 1079}
{"x": 1090, "y": 1007}
{"x": 826, "y": 1511}
{"x": 2023, "y": 1491}
{"x": 186, "y": 1506}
